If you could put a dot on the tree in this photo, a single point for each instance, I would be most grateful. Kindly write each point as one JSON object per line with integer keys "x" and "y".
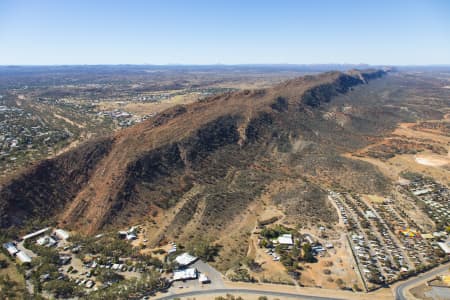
{"x": 287, "y": 261}
{"x": 251, "y": 264}
{"x": 47, "y": 255}
{"x": 3, "y": 264}
{"x": 109, "y": 276}
{"x": 308, "y": 254}
{"x": 242, "y": 275}
{"x": 204, "y": 249}
{"x": 62, "y": 288}
{"x": 264, "y": 243}
{"x": 295, "y": 251}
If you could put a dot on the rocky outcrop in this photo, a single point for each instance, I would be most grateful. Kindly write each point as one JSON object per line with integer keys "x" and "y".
{"x": 117, "y": 180}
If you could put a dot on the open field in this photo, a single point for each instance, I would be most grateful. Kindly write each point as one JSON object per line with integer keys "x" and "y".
{"x": 15, "y": 283}
{"x": 11, "y": 270}
{"x": 425, "y": 161}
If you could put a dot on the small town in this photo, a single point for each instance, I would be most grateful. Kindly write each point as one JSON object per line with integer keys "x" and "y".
{"x": 60, "y": 265}
{"x": 25, "y": 136}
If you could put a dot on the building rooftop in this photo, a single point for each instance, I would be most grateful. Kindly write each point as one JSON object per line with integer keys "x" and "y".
{"x": 445, "y": 246}
{"x": 185, "y": 259}
{"x": 62, "y": 234}
{"x": 46, "y": 240}
{"x": 285, "y": 239}
{"x": 23, "y": 257}
{"x": 190, "y": 273}
{"x": 11, "y": 248}
{"x": 36, "y": 233}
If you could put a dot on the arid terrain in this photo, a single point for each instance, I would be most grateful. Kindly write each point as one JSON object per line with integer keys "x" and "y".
{"x": 331, "y": 180}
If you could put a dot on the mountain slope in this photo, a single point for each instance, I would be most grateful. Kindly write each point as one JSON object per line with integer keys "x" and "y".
{"x": 208, "y": 162}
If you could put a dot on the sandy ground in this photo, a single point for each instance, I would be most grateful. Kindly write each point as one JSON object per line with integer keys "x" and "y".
{"x": 270, "y": 213}
{"x": 339, "y": 262}
{"x": 144, "y": 108}
{"x": 58, "y": 116}
{"x": 72, "y": 145}
{"x": 426, "y": 162}
{"x": 405, "y": 129}
{"x": 432, "y": 160}
{"x": 373, "y": 198}
{"x": 11, "y": 270}
{"x": 408, "y": 162}
{"x": 273, "y": 271}
{"x": 386, "y": 167}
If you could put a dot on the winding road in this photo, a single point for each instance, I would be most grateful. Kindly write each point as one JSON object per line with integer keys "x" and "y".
{"x": 404, "y": 286}
{"x": 399, "y": 289}
{"x": 245, "y": 291}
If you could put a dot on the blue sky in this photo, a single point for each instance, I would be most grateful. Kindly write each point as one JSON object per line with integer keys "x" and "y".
{"x": 224, "y": 31}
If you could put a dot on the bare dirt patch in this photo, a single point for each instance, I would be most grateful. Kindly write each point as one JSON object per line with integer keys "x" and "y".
{"x": 333, "y": 271}
{"x": 58, "y": 116}
{"x": 419, "y": 291}
{"x": 147, "y": 108}
{"x": 432, "y": 160}
{"x": 373, "y": 198}
{"x": 11, "y": 272}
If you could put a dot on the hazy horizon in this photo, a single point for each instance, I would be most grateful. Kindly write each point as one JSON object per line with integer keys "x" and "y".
{"x": 199, "y": 32}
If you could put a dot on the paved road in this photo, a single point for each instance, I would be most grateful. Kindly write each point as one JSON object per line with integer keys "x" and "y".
{"x": 245, "y": 291}
{"x": 213, "y": 275}
{"x": 403, "y": 287}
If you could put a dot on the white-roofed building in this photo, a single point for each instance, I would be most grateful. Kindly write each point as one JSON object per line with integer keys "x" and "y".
{"x": 185, "y": 259}
{"x": 62, "y": 234}
{"x": 185, "y": 274}
{"x": 445, "y": 246}
{"x": 36, "y": 233}
{"x": 285, "y": 239}
{"x": 131, "y": 236}
{"x": 46, "y": 241}
{"x": 11, "y": 248}
{"x": 23, "y": 257}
